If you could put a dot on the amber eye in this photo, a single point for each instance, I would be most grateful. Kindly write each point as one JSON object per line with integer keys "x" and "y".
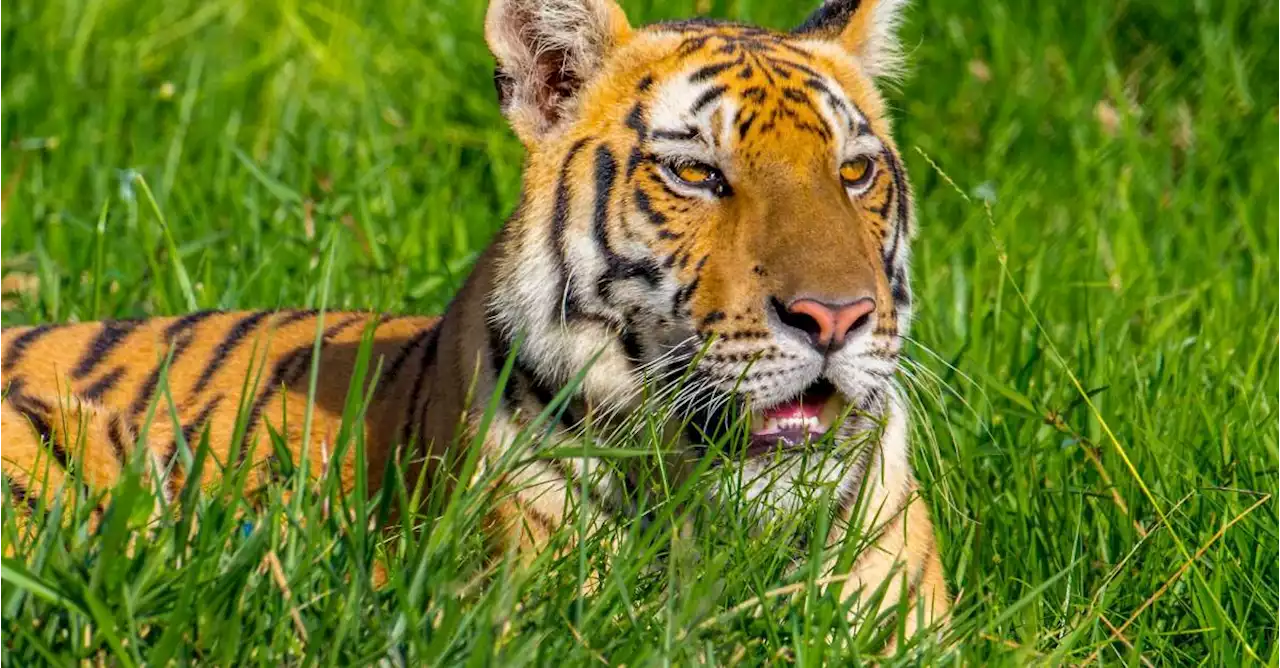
{"x": 695, "y": 173}
{"x": 700, "y": 175}
{"x": 857, "y": 173}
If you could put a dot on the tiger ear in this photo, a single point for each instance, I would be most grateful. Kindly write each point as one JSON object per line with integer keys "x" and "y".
{"x": 546, "y": 51}
{"x": 867, "y": 28}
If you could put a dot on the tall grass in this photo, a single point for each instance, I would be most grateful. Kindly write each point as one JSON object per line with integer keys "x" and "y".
{"x": 1093, "y": 372}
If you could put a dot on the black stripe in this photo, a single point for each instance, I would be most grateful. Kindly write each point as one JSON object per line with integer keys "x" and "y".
{"x": 634, "y": 161}
{"x": 569, "y": 300}
{"x": 685, "y": 293}
{"x": 111, "y": 334}
{"x": 645, "y": 205}
{"x": 711, "y": 319}
{"x": 784, "y": 64}
{"x": 188, "y": 432}
{"x": 708, "y": 96}
{"x": 115, "y": 434}
{"x": 606, "y": 173}
{"x": 521, "y": 375}
{"x": 796, "y": 95}
{"x": 838, "y": 104}
{"x": 781, "y": 43}
{"x": 692, "y": 45}
{"x": 143, "y": 397}
{"x": 35, "y": 411}
{"x": 686, "y": 134}
{"x": 857, "y": 126}
{"x": 818, "y": 84}
{"x": 413, "y": 416}
{"x": 392, "y": 370}
{"x": 635, "y": 121}
{"x": 499, "y": 350}
{"x": 899, "y": 287}
{"x": 286, "y": 372}
{"x": 764, "y": 70}
{"x": 645, "y": 82}
{"x": 617, "y": 266}
{"x": 188, "y": 321}
{"x": 711, "y": 71}
{"x": 289, "y": 317}
{"x": 19, "y": 345}
{"x": 901, "y": 225}
{"x": 103, "y": 385}
{"x": 238, "y": 331}
{"x": 180, "y": 335}
{"x": 19, "y": 493}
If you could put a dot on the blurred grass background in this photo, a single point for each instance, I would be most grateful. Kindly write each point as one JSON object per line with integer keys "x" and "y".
{"x": 1097, "y": 195}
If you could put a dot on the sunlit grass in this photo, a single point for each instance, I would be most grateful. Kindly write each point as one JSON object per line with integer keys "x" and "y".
{"x": 1093, "y": 372}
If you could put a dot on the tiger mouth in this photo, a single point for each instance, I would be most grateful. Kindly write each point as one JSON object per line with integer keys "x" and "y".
{"x": 797, "y": 422}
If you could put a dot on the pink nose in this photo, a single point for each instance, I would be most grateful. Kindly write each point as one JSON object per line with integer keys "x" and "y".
{"x": 828, "y": 324}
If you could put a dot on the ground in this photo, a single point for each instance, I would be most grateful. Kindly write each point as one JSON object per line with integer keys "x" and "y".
{"x": 1094, "y": 374}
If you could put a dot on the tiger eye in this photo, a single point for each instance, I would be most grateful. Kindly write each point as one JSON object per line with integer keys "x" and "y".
{"x": 694, "y": 173}
{"x": 855, "y": 172}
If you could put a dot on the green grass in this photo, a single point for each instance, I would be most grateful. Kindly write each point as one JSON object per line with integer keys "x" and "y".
{"x": 1095, "y": 350}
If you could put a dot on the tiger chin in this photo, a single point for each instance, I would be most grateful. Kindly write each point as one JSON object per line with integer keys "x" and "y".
{"x": 704, "y": 200}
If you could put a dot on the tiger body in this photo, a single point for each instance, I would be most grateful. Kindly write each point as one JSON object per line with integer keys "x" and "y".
{"x": 113, "y": 381}
{"x": 698, "y": 196}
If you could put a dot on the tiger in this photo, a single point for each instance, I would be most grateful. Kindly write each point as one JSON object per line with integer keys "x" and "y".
{"x": 700, "y": 198}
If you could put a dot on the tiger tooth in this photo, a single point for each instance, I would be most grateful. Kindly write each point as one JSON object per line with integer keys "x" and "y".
{"x": 831, "y": 412}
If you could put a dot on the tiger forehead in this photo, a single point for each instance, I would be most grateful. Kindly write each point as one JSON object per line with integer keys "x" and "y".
{"x": 763, "y": 77}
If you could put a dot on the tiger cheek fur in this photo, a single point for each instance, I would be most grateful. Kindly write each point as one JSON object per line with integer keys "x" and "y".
{"x": 694, "y": 191}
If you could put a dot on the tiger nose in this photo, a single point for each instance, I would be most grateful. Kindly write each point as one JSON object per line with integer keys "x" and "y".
{"x": 826, "y": 324}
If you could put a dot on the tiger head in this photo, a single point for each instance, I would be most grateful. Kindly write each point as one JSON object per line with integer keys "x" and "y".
{"x": 709, "y": 192}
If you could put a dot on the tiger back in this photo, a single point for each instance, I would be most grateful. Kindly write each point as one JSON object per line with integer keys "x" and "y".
{"x": 83, "y": 397}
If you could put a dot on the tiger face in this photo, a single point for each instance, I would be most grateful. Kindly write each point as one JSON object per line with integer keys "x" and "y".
{"x": 711, "y": 193}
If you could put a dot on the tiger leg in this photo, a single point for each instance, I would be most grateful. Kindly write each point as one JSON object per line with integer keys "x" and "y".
{"x": 526, "y": 515}
{"x": 902, "y": 565}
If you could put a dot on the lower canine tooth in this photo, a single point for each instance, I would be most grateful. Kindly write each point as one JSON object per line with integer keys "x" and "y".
{"x": 832, "y": 412}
